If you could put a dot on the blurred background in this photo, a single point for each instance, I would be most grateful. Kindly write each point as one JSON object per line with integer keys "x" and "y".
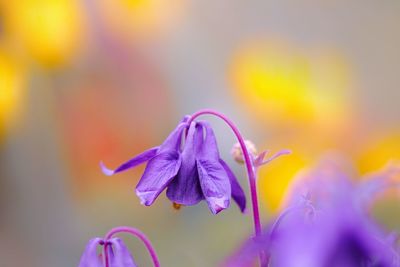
{"x": 84, "y": 81}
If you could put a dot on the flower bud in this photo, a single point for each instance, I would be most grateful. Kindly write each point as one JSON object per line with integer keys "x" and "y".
{"x": 237, "y": 152}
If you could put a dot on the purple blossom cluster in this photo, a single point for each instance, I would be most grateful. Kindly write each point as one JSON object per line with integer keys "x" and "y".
{"x": 326, "y": 222}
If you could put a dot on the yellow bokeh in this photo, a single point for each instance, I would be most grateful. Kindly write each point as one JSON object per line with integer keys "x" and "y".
{"x": 140, "y": 18}
{"x": 379, "y": 152}
{"x": 11, "y": 90}
{"x": 304, "y": 99}
{"x": 271, "y": 78}
{"x": 331, "y": 90}
{"x": 282, "y": 84}
{"x": 275, "y": 178}
{"x": 48, "y": 31}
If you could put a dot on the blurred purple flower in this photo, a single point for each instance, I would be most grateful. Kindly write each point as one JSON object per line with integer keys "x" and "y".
{"x": 340, "y": 237}
{"x": 338, "y": 234}
{"x": 117, "y": 254}
{"x": 190, "y": 168}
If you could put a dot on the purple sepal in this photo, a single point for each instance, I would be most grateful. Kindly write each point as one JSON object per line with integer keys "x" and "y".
{"x": 185, "y": 188}
{"x": 214, "y": 180}
{"x": 121, "y": 256}
{"x": 238, "y": 194}
{"x": 158, "y": 173}
{"x": 162, "y": 168}
{"x": 135, "y": 161}
{"x": 90, "y": 258}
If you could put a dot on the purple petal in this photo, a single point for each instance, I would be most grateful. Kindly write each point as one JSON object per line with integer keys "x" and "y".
{"x": 158, "y": 173}
{"x": 185, "y": 188}
{"x": 90, "y": 258}
{"x": 214, "y": 180}
{"x": 174, "y": 140}
{"x": 122, "y": 257}
{"x": 139, "y": 159}
{"x": 215, "y": 184}
{"x": 237, "y": 191}
{"x": 209, "y": 148}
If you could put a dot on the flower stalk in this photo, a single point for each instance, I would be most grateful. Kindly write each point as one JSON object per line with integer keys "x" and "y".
{"x": 251, "y": 171}
{"x": 132, "y": 231}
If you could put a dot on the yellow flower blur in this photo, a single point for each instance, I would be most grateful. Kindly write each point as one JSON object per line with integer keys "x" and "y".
{"x": 275, "y": 177}
{"x": 47, "y": 30}
{"x": 379, "y": 153}
{"x": 272, "y": 79}
{"x": 140, "y": 17}
{"x": 11, "y": 86}
{"x": 281, "y": 84}
{"x": 293, "y": 92}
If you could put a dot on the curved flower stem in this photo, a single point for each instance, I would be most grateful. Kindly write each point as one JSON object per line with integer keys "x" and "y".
{"x": 134, "y": 232}
{"x": 251, "y": 172}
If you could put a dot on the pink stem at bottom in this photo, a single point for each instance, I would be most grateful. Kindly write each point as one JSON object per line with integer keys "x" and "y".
{"x": 134, "y": 232}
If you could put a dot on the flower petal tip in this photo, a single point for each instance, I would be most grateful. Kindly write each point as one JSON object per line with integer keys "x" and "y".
{"x": 106, "y": 170}
{"x": 218, "y": 204}
{"x": 145, "y": 197}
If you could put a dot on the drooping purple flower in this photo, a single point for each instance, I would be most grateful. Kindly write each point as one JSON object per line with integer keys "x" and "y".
{"x": 340, "y": 233}
{"x": 114, "y": 251}
{"x": 188, "y": 165}
{"x": 118, "y": 254}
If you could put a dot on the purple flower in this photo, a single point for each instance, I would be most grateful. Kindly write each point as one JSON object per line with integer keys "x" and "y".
{"x": 328, "y": 228}
{"x": 189, "y": 166}
{"x": 340, "y": 237}
{"x": 117, "y": 254}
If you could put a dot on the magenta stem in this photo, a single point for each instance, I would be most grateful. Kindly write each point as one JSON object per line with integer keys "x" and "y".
{"x": 134, "y": 232}
{"x": 249, "y": 166}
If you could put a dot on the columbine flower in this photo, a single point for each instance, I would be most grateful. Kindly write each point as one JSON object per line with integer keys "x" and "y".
{"x": 339, "y": 234}
{"x": 189, "y": 168}
{"x": 115, "y": 253}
